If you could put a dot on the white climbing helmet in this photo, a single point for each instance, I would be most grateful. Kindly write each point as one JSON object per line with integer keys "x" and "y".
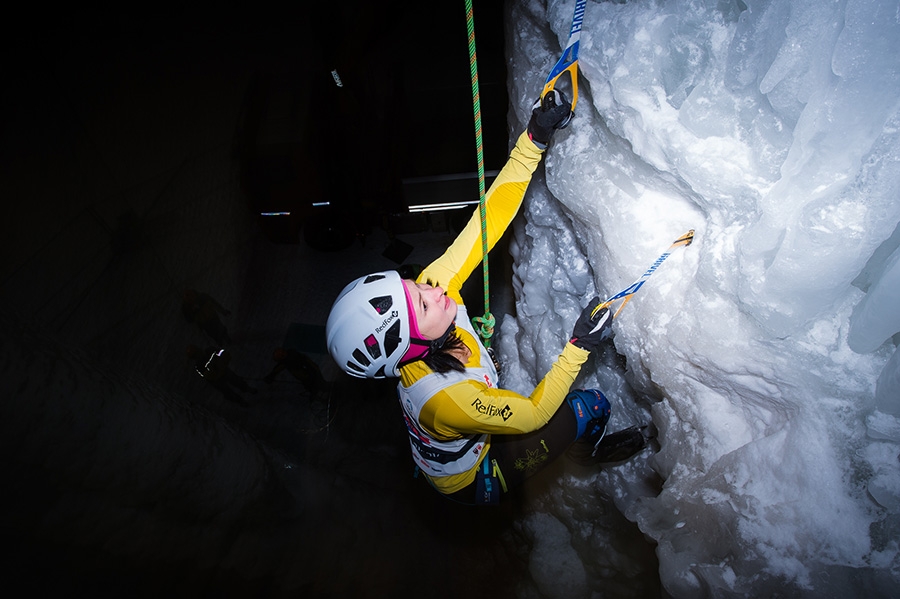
{"x": 368, "y": 328}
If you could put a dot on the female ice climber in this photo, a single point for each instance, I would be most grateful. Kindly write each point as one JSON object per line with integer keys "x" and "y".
{"x": 471, "y": 438}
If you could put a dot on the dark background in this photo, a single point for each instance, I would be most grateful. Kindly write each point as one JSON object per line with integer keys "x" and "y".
{"x": 139, "y": 146}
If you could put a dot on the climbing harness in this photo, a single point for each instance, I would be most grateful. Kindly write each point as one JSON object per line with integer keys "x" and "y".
{"x": 484, "y": 325}
{"x": 488, "y": 482}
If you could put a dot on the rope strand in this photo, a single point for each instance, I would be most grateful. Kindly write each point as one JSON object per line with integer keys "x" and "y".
{"x": 484, "y": 325}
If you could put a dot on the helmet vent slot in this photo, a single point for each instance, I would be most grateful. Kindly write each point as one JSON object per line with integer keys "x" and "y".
{"x": 373, "y": 278}
{"x": 372, "y": 347}
{"x": 382, "y": 304}
{"x": 354, "y": 367}
{"x": 392, "y": 338}
{"x": 361, "y": 357}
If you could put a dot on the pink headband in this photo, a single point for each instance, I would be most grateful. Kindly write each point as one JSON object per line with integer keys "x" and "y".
{"x": 415, "y": 350}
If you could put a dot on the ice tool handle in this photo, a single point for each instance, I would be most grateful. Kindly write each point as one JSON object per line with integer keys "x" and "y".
{"x": 568, "y": 62}
{"x": 626, "y": 294}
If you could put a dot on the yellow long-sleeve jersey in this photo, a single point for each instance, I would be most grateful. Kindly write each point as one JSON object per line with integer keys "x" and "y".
{"x": 467, "y": 407}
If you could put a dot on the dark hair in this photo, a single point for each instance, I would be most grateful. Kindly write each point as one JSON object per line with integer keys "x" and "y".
{"x": 443, "y": 359}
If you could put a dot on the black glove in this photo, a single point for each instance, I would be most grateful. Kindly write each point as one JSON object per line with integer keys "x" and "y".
{"x": 548, "y": 114}
{"x": 591, "y": 328}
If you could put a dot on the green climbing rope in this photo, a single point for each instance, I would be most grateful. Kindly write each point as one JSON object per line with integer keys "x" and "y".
{"x": 484, "y": 324}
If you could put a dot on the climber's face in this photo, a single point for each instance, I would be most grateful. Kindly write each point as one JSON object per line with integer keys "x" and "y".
{"x": 434, "y": 311}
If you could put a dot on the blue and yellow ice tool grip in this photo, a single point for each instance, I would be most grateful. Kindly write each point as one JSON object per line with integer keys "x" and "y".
{"x": 626, "y": 294}
{"x": 568, "y": 62}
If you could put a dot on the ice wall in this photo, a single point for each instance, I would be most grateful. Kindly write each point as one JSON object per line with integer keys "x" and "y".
{"x": 764, "y": 351}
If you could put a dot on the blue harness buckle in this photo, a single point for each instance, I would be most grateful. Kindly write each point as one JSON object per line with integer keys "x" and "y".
{"x": 487, "y": 489}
